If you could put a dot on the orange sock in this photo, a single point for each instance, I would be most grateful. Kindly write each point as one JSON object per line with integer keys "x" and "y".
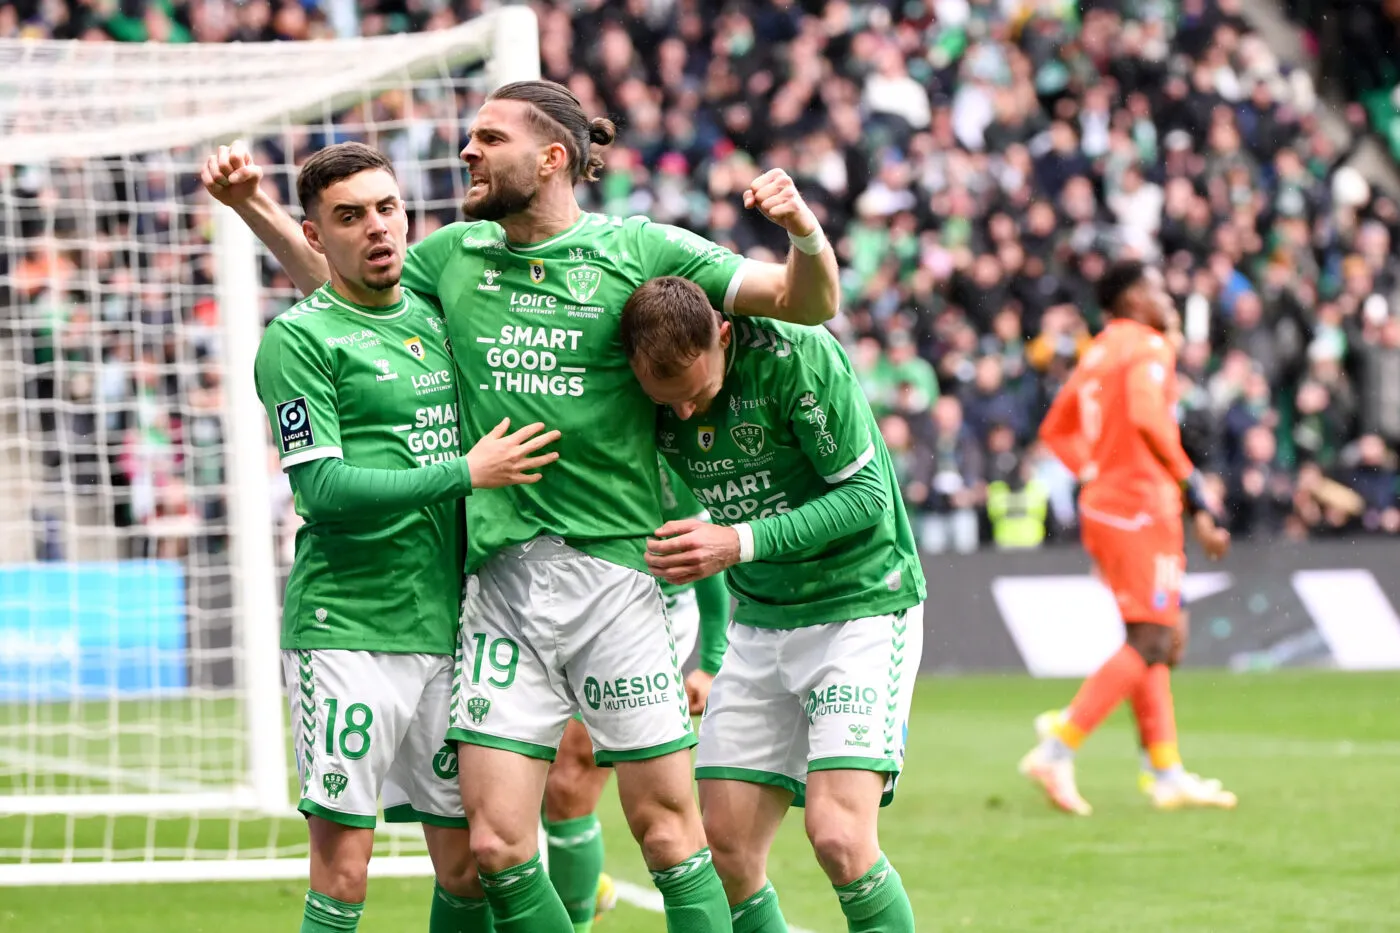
{"x": 1156, "y": 717}
{"x": 1097, "y": 696}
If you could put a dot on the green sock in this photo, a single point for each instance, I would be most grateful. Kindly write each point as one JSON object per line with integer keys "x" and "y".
{"x": 327, "y": 915}
{"x": 876, "y": 902}
{"x": 575, "y": 862}
{"x": 693, "y": 896}
{"x": 760, "y": 913}
{"x": 523, "y": 901}
{"x": 453, "y": 914}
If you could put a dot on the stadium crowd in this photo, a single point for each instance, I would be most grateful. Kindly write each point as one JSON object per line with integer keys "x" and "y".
{"x": 978, "y": 163}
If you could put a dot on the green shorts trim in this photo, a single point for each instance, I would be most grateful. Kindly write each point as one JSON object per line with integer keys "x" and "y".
{"x": 602, "y": 758}
{"x": 404, "y": 813}
{"x": 751, "y": 776}
{"x": 852, "y": 763}
{"x": 528, "y": 749}
{"x": 356, "y": 820}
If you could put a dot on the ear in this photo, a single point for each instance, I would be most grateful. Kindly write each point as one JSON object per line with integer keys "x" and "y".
{"x": 554, "y": 158}
{"x": 726, "y": 333}
{"x": 313, "y": 236}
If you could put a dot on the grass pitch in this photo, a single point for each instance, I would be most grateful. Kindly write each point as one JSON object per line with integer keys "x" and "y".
{"x": 1314, "y": 756}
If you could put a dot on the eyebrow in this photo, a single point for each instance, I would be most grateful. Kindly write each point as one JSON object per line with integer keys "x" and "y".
{"x": 351, "y": 206}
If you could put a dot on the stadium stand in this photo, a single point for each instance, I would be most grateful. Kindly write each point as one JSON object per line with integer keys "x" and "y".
{"x": 978, "y": 162}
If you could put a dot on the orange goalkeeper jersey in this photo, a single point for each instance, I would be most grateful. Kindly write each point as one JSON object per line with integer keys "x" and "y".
{"x": 1113, "y": 424}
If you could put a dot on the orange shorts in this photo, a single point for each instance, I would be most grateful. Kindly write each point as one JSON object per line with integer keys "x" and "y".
{"x": 1141, "y": 560}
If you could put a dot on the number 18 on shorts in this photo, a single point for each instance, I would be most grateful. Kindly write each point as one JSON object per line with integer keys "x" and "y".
{"x": 370, "y": 724}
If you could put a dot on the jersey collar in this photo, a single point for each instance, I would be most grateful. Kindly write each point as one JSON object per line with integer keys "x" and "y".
{"x": 387, "y": 311}
{"x": 550, "y": 241}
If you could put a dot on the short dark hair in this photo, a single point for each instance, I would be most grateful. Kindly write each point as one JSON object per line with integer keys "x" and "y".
{"x": 557, "y": 113}
{"x": 336, "y": 163}
{"x": 666, "y": 324}
{"x": 1117, "y": 280}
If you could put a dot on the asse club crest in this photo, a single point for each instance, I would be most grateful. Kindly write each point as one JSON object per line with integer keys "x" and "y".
{"x": 582, "y": 282}
{"x": 477, "y": 708}
{"x": 748, "y": 438}
{"x": 335, "y": 783}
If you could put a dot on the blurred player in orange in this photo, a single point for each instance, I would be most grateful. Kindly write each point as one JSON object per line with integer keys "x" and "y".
{"x": 1112, "y": 424}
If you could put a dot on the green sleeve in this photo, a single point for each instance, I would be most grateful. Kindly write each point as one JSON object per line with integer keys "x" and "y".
{"x": 832, "y": 423}
{"x": 295, "y": 382}
{"x": 712, "y": 598}
{"x": 426, "y": 259}
{"x": 827, "y": 409}
{"x": 331, "y": 490}
{"x": 668, "y": 250}
{"x": 856, "y": 503}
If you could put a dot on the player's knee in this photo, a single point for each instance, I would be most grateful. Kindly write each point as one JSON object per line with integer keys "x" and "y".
{"x": 741, "y": 867}
{"x": 665, "y": 840}
{"x": 493, "y": 851}
{"x": 460, "y": 880}
{"x": 569, "y": 792}
{"x": 345, "y": 879}
{"x": 1153, "y": 642}
{"x": 842, "y": 846}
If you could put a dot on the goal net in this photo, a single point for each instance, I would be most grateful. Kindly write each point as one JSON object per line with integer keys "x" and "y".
{"x": 145, "y": 531}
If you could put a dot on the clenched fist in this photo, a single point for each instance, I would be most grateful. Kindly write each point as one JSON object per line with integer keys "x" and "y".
{"x": 230, "y": 175}
{"x": 775, "y": 195}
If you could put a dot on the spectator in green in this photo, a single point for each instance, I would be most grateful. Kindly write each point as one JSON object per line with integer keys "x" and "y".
{"x": 904, "y": 365}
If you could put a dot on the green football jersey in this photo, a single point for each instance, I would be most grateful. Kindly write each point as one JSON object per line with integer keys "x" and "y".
{"x": 536, "y": 334}
{"x": 375, "y": 388}
{"x": 790, "y": 421}
{"x": 677, "y": 503}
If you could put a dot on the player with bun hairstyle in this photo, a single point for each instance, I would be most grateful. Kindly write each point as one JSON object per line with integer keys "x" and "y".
{"x": 560, "y": 613}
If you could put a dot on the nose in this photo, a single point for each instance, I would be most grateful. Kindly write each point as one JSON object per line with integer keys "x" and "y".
{"x": 469, "y": 152}
{"x": 377, "y": 225}
{"x": 684, "y": 410}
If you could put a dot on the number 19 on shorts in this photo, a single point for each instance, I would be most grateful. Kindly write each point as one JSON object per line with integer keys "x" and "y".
{"x": 502, "y": 655}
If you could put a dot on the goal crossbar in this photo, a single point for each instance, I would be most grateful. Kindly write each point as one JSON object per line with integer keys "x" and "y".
{"x": 62, "y": 100}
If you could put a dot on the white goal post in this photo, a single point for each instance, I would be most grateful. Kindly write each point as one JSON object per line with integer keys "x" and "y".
{"x": 144, "y": 530}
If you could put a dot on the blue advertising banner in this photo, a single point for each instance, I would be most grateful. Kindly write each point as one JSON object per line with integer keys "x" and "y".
{"x": 92, "y": 630}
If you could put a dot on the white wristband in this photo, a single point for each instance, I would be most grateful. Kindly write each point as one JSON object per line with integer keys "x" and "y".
{"x": 812, "y": 244}
{"x": 745, "y": 534}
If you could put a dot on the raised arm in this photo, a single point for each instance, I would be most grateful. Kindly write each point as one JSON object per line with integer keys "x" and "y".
{"x": 804, "y": 290}
{"x": 232, "y": 178}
